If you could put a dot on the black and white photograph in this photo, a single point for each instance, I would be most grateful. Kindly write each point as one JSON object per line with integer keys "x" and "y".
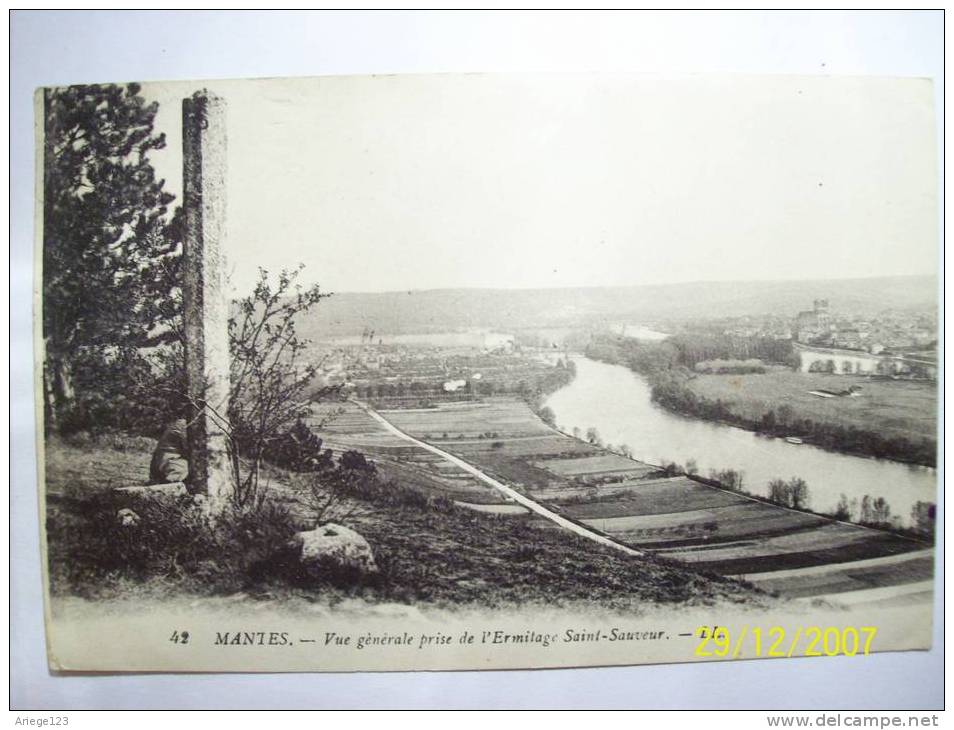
{"x": 470, "y": 371}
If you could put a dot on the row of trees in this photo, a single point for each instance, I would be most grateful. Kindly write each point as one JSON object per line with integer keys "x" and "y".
{"x": 876, "y": 512}
{"x": 592, "y": 436}
{"x": 688, "y": 350}
{"x": 883, "y": 367}
{"x": 730, "y": 367}
{"x": 697, "y": 347}
{"x": 868, "y": 511}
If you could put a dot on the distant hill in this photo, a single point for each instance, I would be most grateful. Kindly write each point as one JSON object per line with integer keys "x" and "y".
{"x": 442, "y": 310}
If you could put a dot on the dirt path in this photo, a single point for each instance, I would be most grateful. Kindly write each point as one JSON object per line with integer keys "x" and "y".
{"x": 500, "y": 486}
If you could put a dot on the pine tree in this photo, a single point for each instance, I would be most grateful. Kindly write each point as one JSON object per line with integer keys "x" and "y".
{"x": 107, "y": 244}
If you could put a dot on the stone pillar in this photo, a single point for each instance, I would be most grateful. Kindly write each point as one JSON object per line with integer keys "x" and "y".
{"x": 204, "y": 295}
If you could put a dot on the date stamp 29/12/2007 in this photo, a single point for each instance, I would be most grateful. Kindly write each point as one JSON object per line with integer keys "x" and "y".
{"x": 751, "y": 642}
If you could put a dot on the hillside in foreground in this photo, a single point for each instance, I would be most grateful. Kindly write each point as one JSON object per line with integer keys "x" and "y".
{"x": 430, "y": 552}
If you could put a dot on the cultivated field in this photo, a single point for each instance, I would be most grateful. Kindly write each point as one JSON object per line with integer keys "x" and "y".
{"x": 892, "y": 407}
{"x": 824, "y": 545}
{"x": 656, "y": 496}
{"x": 601, "y": 464}
{"x": 343, "y": 426}
{"x": 505, "y": 417}
{"x": 886, "y": 573}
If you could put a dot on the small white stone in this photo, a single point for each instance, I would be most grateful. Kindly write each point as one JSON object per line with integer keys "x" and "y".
{"x": 127, "y": 518}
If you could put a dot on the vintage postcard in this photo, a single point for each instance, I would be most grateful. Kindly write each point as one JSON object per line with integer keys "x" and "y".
{"x": 486, "y": 371}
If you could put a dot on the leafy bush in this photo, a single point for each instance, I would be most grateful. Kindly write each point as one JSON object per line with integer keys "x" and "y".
{"x": 547, "y": 416}
{"x": 298, "y": 449}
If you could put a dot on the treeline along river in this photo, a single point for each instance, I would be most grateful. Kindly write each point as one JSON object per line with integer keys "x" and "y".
{"x": 618, "y": 403}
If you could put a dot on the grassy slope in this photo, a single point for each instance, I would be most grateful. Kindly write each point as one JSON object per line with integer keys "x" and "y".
{"x": 451, "y": 556}
{"x": 895, "y": 408}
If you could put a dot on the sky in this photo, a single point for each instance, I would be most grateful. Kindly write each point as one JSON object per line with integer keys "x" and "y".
{"x": 386, "y": 183}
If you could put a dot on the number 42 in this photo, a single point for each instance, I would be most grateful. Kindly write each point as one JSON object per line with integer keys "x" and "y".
{"x": 179, "y": 637}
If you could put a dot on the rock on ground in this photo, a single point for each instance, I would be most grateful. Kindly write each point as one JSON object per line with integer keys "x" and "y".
{"x": 333, "y": 545}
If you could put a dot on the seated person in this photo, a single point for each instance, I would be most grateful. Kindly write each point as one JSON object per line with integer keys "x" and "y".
{"x": 169, "y": 463}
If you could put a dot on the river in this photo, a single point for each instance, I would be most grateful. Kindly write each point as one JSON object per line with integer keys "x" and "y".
{"x": 616, "y": 401}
